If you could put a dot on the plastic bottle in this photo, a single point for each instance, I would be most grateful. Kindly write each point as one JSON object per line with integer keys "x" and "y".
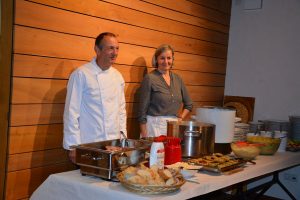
{"x": 172, "y": 151}
{"x": 157, "y": 153}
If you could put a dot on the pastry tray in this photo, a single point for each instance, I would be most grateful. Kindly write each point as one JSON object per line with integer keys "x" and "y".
{"x": 230, "y": 166}
{"x": 225, "y": 170}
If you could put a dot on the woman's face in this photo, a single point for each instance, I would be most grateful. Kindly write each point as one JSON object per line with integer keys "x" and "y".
{"x": 165, "y": 60}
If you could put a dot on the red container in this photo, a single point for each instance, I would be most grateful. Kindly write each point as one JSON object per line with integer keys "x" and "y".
{"x": 172, "y": 150}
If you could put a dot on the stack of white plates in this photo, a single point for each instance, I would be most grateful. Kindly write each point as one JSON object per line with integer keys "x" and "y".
{"x": 295, "y": 128}
{"x": 240, "y": 131}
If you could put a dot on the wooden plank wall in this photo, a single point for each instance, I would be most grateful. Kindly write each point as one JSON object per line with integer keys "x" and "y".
{"x": 52, "y": 38}
{"x": 6, "y": 21}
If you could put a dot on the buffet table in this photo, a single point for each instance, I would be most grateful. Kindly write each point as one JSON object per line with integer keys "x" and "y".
{"x": 72, "y": 185}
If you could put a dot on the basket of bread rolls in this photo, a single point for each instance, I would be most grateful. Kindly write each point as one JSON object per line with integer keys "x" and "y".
{"x": 144, "y": 180}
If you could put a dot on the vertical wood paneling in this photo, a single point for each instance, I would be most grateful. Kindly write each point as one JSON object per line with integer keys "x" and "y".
{"x": 7, "y": 15}
{"x": 53, "y": 38}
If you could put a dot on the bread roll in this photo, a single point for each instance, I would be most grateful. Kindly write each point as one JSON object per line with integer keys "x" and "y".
{"x": 144, "y": 173}
{"x": 165, "y": 174}
{"x": 137, "y": 180}
{"x": 170, "y": 181}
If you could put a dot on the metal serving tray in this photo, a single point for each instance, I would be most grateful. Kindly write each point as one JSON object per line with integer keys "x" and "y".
{"x": 95, "y": 159}
{"x": 226, "y": 170}
{"x": 228, "y": 166}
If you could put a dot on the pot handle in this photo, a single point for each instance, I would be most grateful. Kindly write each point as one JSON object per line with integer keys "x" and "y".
{"x": 91, "y": 157}
{"x": 192, "y": 134}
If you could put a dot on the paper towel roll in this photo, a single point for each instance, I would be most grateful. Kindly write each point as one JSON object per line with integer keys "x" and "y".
{"x": 223, "y": 118}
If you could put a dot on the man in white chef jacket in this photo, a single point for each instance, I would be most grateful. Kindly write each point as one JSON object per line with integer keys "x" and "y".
{"x": 95, "y": 102}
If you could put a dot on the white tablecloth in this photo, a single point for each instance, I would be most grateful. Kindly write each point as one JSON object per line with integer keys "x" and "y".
{"x": 73, "y": 186}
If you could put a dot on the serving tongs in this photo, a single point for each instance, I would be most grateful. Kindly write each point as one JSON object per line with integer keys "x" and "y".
{"x": 123, "y": 158}
{"x": 123, "y": 139}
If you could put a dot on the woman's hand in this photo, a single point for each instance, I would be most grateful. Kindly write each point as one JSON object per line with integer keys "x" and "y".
{"x": 143, "y": 130}
{"x": 183, "y": 115}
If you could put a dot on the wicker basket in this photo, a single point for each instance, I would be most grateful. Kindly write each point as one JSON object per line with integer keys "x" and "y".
{"x": 150, "y": 189}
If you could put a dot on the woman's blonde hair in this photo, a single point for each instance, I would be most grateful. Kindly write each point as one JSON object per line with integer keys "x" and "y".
{"x": 162, "y": 48}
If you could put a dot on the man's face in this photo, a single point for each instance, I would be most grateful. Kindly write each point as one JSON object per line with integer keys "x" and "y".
{"x": 107, "y": 53}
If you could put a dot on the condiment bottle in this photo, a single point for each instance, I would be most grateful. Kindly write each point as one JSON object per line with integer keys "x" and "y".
{"x": 157, "y": 153}
{"x": 172, "y": 151}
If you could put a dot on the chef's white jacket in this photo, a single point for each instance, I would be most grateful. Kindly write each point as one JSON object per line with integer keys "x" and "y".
{"x": 95, "y": 107}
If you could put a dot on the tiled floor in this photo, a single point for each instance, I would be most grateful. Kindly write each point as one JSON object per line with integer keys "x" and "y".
{"x": 219, "y": 195}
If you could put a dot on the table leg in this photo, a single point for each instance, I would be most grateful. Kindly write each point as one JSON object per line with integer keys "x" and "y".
{"x": 274, "y": 181}
{"x": 286, "y": 190}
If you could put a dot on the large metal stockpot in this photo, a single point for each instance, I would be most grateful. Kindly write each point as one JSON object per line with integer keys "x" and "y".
{"x": 197, "y": 138}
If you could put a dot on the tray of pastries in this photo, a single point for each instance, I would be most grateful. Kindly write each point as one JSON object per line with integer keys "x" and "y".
{"x": 219, "y": 163}
{"x": 293, "y": 145}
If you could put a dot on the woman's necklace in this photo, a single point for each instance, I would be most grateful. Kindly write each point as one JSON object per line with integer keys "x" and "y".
{"x": 166, "y": 77}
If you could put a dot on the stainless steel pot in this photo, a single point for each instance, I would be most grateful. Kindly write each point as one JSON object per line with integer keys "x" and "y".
{"x": 197, "y": 138}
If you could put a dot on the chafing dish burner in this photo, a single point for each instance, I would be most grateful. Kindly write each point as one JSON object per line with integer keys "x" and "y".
{"x": 106, "y": 158}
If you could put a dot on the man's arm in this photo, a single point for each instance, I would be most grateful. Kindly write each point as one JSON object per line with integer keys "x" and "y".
{"x": 72, "y": 110}
{"x": 122, "y": 111}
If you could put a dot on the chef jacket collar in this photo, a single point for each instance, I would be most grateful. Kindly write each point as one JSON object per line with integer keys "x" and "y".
{"x": 97, "y": 69}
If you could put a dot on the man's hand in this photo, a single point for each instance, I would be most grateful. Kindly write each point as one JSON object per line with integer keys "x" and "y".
{"x": 72, "y": 155}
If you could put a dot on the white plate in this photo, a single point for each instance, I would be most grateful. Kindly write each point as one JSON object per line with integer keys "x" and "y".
{"x": 187, "y": 174}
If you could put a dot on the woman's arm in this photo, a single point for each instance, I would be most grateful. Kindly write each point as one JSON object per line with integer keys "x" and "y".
{"x": 187, "y": 101}
{"x": 144, "y": 101}
{"x": 183, "y": 115}
{"x": 143, "y": 130}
